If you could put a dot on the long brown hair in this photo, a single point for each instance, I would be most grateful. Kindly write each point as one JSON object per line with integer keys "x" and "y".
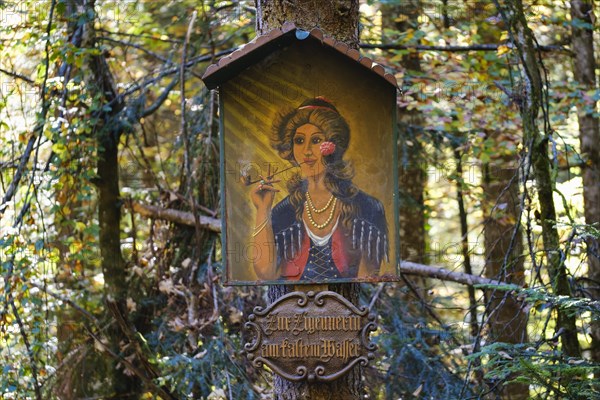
{"x": 338, "y": 172}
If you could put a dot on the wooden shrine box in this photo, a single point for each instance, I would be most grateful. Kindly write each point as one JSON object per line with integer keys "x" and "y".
{"x": 268, "y": 89}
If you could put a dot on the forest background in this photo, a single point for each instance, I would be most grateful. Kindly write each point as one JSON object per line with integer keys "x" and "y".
{"x": 111, "y": 263}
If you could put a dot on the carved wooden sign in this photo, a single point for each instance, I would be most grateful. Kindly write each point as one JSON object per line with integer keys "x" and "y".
{"x": 314, "y": 336}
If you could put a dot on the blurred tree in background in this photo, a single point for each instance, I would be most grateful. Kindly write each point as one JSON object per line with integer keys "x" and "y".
{"x": 110, "y": 249}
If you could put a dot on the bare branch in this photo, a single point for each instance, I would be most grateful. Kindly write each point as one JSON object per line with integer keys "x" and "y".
{"x": 161, "y": 390}
{"x": 30, "y": 352}
{"x": 65, "y": 300}
{"x": 176, "y": 216}
{"x": 453, "y": 49}
{"x": 183, "y": 127}
{"x": 429, "y": 271}
{"x": 18, "y": 76}
{"x": 173, "y": 70}
{"x": 136, "y": 46}
{"x": 160, "y": 38}
{"x": 161, "y": 99}
{"x": 12, "y": 188}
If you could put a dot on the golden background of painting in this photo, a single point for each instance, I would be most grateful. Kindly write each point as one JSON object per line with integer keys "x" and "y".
{"x": 281, "y": 82}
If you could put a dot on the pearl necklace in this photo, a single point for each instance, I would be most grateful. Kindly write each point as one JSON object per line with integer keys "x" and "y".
{"x": 312, "y": 205}
{"x": 324, "y": 224}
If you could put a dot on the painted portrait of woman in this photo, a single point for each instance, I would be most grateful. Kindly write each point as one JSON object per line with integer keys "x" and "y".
{"x": 325, "y": 228}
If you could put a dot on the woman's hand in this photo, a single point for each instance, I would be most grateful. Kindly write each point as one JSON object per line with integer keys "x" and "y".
{"x": 263, "y": 194}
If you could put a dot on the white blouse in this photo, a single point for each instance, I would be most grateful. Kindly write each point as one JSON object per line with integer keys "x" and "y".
{"x": 320, "y": 240}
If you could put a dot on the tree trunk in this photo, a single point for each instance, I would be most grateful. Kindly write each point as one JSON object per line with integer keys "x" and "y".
{"x": 337, "y": 19}
{"x": 464, "y": 234}
{"x": 503, "y": 248}
{"x": 70, "y": 385}
{"x": 100, "y": 85}
{"x": 537, "y": 148}
{"x": 503, "y": 243}
{"x": 584, "y": 66}
{"x": 348, "y": 387}
{"x": 412, "y": 166}
{"x": 341, "y": 23}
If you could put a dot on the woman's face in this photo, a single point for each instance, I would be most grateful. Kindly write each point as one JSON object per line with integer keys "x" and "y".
{"x": 307, "y": 153}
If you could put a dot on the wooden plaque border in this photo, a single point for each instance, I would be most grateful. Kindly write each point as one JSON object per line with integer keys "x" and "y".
{"x": 314, "y": 304}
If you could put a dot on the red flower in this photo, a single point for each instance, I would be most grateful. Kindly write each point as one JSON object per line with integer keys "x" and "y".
{"x": 327, "y": 148}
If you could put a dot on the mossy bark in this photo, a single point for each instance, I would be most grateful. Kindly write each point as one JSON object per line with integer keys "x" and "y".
{"x": 537, "y": 145}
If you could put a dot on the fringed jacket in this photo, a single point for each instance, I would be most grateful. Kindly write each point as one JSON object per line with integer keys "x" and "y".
{"x": 302, "y": 255}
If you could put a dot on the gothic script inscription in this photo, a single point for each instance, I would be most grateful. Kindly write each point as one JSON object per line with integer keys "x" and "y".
{"x": 314, "y": 336}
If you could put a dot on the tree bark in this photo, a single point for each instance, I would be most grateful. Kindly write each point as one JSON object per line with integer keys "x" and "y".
{"x": 69, "y": 385}
{"x": 584, "y": 66}
{"x": 339, "y": 21}
{"x": 428, "y": 271}
{"x": 503, "y": 249}
{"x": 338, "y": 18}
{"x": 176, "y": 216}
{"x": 464, "y": 234}
{"x": 412, "y": 165}
{"x": 537, "y": 145}
{"x": 100, "y": 86}
{"x": 348, "y": 387}
{"x": 503, "y": 242}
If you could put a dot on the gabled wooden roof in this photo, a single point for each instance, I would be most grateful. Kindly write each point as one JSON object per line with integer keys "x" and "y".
{"x": 261, "y": 46}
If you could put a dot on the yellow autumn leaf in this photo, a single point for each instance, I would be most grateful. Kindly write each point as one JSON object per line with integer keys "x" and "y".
{"x": 502, "y": 50}
{"x": 59, "y": 148}
{"x": 76, "y": 247}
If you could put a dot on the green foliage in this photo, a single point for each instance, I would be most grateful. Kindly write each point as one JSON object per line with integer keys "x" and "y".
{"x": 181, "y": 331}
{"x": 542, "y": 366}
{"x": 418, "y": 358}
{"x": 196, "y": 376}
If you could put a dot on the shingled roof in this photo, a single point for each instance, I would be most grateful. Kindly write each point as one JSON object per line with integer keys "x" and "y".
{"x": 261, "y": 46}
